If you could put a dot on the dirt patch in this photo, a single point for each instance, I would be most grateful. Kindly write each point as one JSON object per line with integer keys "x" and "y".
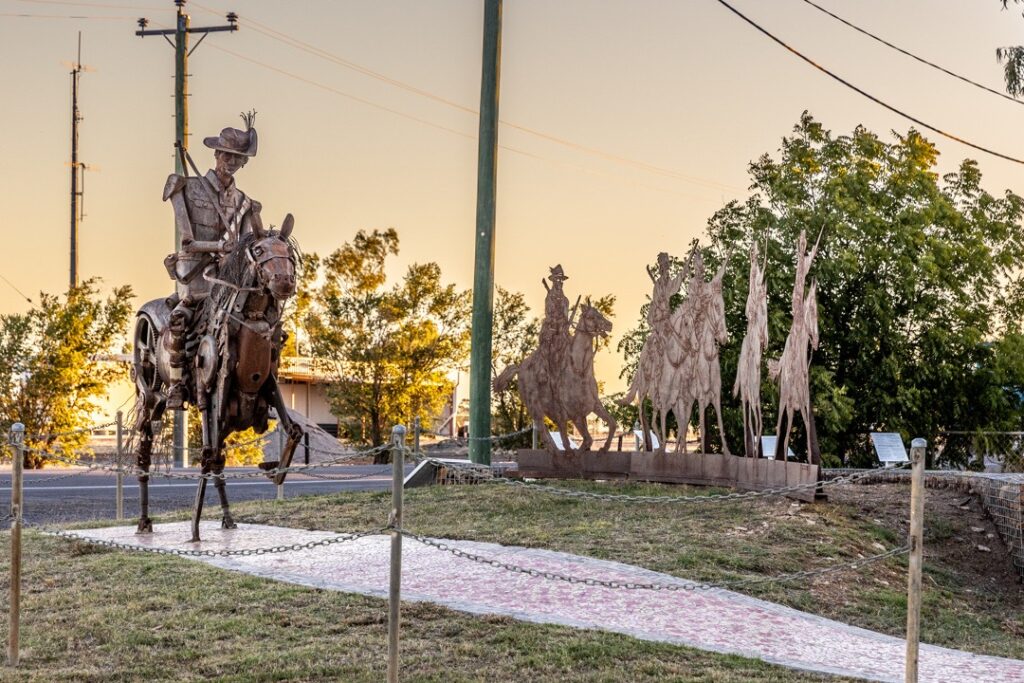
{"x": 957, "y": 531}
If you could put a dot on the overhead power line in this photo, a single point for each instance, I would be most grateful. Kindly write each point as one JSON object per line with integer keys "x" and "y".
{"x": 866, "y": 94}
{"x": 912, "y": 55}
{"x": 300, "y": 44}
{"x": 100, "y": 5}
{"x": 438, "y": 126}
{"x": 11, "y": 284}
{"x": 24, "y": 15}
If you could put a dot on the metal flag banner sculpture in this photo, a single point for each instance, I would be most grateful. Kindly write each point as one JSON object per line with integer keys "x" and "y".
{"x": 217, "y": 342}
{"x": 557, "y": 380}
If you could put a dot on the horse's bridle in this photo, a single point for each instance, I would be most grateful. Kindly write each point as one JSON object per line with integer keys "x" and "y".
{"x": 265, "y": 256}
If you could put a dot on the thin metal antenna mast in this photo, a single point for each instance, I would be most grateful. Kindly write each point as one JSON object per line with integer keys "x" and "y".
{"x": 77, "y": 169}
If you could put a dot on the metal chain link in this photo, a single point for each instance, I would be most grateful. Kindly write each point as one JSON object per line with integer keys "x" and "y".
{"x": 486, "y": 474}
{"x": 136, "y": 471}
{"x": 80, "y": 430}
{"x": 244, "y": 552}
{"x": 346, "y": 477}
{"x": 632, "y": 585}
{"x": 46, "y": 480}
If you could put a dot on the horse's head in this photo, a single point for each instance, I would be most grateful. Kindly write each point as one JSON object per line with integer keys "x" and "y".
{"x": 593, "y": 323}
{"x": 273, "y": 259}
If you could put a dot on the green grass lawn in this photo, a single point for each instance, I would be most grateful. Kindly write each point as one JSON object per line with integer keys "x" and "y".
{"x": 98, "y": 615}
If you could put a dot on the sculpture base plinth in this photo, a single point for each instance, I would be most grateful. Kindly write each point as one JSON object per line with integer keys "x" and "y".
{"x": 703, "y": 469}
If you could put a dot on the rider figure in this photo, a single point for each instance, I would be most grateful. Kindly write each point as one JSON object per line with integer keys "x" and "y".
{"x": 554, "y": 330}
{"x": 211, "y": 214}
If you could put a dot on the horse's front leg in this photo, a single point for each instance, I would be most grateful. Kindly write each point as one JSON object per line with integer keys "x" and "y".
{"x": 211, "y": 439}
{"x": 226, "y": 522}
{"x": 292, "y": 429}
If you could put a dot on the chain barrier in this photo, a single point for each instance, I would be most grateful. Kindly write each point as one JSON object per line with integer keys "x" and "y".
{"x": 40, "y": 482}
{"x": 485, "y": 473}
{"x": 493, "y": 438}
{"x": 136, "y": 471}
{"x": 685, "y": 585}
{"x": 347, "y": 477}
{"x": 80, "y": 430}
{"x": 242, "y": 552}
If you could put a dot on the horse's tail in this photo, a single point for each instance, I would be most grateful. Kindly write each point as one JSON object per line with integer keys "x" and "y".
{"x": 631, "y": 392}
{"x": 502, "y": 381}
{"x": 774, "y": 368}
{"x": 736, "y": 384}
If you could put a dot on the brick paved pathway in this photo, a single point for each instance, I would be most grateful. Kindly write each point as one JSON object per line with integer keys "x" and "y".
{"x": 715, "y": 620}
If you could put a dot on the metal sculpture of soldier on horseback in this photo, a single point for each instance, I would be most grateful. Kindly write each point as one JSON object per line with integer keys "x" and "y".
{"x": 216, "y": 342}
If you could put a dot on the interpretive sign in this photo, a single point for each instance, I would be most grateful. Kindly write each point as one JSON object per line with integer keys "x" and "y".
{"x": 889, "y": 447}
{"x": 768, "y": 445}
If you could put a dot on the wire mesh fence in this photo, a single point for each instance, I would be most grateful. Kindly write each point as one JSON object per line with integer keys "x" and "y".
{"x": 981, "y": 451}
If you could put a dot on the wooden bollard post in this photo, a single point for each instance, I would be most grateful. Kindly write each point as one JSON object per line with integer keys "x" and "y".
{"x": 17, "y": 463}
{"x": 395, "y": 588}
{"x": 119, "y": 495}
{"x": 916, "y": 540}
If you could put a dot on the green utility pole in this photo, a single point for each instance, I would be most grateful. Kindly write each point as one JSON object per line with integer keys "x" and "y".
{"x": 483, "y": 277}
{"x": 182, "y": 29}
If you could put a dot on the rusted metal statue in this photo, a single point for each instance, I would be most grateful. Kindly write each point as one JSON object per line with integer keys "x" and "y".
{"x": 793, "y": 368}
{"x": 755, "y": 343}
{"x": 557, "y": 380}
{"x": 216, "y": 343}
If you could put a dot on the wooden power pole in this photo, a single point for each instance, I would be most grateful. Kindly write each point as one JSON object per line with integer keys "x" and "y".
{"x": 483, "y": 275}
{"x": 182, "y": 30}
{"x": 77, "y": 168}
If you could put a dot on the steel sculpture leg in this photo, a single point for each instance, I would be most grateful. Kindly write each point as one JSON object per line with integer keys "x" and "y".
{"x": 292, "y": 429}
{"x": 144, "y": 459}
{"x": 226, "y": 522}
{"x": 197, "y": 508}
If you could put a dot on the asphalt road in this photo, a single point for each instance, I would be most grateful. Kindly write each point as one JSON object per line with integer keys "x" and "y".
{"x": 55, "y": 497}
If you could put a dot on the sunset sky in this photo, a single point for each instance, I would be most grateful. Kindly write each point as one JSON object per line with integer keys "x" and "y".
{"x": 626, "y": 124}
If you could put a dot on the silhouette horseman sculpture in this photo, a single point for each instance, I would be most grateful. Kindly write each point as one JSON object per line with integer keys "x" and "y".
{"x": 216, "y": 342}
{"x": 557, "y": 380}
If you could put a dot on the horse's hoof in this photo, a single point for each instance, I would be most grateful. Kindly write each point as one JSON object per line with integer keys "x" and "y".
{"x": 145, "y": 526}
{"x": 228, "y": 523}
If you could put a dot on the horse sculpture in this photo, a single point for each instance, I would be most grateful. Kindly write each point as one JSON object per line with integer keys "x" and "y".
{"x": 701, "y": 373}
{"x": 792, "y": 370}
{"x": 755, "y": 343}
{"x": 237, "y": 338}
{"x": 570, "y": 394}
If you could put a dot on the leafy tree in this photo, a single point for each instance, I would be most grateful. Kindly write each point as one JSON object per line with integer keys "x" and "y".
{"x": 919, "y": 290}
{"x": 52, "y": 370}
{"x": 514, "y": 338}
{"x": 1013, "y": 69}
{"x": 386, "y": 350}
